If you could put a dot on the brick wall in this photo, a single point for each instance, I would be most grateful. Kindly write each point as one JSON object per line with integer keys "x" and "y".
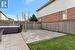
{"x": 52, "y": 17}
{"x": 59, "y": 16}
{"x": 71, "y": 13}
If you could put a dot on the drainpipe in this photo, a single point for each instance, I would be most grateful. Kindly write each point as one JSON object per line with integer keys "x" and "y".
{"x": 0, "y": 15}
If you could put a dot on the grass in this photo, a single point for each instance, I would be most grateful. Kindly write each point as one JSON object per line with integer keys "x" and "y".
{"x": 62, "y": 43}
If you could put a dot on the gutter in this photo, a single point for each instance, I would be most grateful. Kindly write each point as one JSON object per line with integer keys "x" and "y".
{"x": 46, "y": 5}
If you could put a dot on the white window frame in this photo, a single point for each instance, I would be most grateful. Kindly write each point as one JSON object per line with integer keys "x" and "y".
{"x": 64, "y": 14}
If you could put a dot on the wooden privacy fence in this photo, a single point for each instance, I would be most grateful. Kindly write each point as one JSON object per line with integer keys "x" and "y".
{"x": 31, "y": 25}
{"x": 67, "y": 26}
{"x": 25, "y": 25}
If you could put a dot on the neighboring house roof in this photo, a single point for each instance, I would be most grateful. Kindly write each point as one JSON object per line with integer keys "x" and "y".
{"x": 7, "y": 17}
{"x": 50, "y": 1}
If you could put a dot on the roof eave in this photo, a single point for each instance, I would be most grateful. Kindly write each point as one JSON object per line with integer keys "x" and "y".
{"x": 45, "y": 5}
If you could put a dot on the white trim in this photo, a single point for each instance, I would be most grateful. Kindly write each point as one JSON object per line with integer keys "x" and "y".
{"x": 64, "y": 14}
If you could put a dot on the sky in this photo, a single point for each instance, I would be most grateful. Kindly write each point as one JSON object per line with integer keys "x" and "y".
{"x": 18, "y": 6}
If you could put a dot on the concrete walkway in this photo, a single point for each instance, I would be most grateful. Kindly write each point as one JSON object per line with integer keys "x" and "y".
{"x": 13, "y": 42}
{"x": 36, "y": 35}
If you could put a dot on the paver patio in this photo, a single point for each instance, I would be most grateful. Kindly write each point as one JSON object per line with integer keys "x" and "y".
{"x": 36, "y": 35}
{"x": 18, "y": 41}
{"x": 13, "y": 42}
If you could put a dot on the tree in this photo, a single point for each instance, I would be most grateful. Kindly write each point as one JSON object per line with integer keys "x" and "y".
{"x": 33, "y": 18}
{"x": 24, "y": 18}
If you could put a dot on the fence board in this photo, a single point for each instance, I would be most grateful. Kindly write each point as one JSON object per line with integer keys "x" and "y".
{"x": 67, "y": 26}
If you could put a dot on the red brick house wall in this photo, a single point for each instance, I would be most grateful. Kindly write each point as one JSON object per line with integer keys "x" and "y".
{"x": 59, "y": 16}
{"x": 52, "y": 17}
{"x": 71, "y": 13}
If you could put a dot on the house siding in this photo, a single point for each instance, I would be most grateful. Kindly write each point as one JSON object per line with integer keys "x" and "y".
{"x": 56, "y": 6}
{"x": 4, "y": 17}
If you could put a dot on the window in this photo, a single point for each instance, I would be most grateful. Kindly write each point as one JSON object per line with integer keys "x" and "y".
{"x": 64, "y": 14}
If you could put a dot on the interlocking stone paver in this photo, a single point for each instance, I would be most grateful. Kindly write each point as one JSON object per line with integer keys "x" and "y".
{"x": 13, "y": 42}
{"x": 36, "y": 35}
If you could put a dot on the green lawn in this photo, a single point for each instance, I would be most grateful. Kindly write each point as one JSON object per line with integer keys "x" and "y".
{"x": 62, "y": 43}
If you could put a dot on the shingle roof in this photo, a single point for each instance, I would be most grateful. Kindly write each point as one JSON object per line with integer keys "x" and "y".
{"x": 45, "y": 5}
